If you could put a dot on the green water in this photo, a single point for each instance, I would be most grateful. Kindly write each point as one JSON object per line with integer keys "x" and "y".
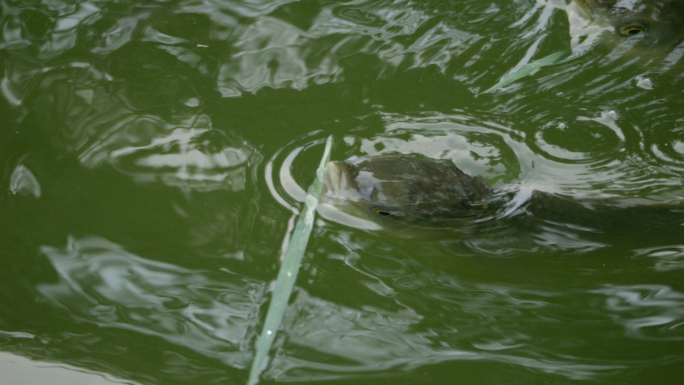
{"x": 154, "y": 155}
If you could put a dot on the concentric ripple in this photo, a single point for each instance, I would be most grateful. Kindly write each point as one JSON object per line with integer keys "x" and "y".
{"x": 594, "y": 141}
{"x": 291, "y": 164}
{"x": 668, "y": 150}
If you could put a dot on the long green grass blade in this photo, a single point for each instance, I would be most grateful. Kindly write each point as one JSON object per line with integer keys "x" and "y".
{"x": 288, "y": 270}
{"x": 526, "y": 69}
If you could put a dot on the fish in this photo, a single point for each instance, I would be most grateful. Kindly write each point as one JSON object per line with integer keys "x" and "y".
{"x": 413, "y": 197}
{"x": 640, "y": 23}
{"x": 641, "y": 27}
{"x": 409, "y": 192}
{"x": 408, "y": 189}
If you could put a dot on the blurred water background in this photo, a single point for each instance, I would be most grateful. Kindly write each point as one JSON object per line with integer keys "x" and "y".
{"x": 153, "y": 155}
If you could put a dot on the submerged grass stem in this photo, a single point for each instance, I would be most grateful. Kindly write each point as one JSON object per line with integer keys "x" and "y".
{"x": 527, "y": 69}
{"x": 289, "y": 269}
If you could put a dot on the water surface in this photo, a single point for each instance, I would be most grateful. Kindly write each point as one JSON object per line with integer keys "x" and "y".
{"x": 154, "y": 155}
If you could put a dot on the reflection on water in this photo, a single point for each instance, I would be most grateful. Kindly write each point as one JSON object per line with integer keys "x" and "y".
{"x": 18, "y": 369}
{"x": 152, "y": 156}
{"x": 190, "y": 155}
{"x": 439, "y": 317}
{"x": 659, "y": 307}
{"x": 104, "y": 284}
{"x": 23, "y": 182}
{"x": 667, "y": 257}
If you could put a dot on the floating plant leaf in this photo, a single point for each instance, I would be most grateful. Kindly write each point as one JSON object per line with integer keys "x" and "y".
{"x": 526, "y": 69}
{"x": 288, "y": 270}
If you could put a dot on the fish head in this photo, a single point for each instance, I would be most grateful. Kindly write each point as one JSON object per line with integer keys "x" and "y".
{"x": 642, "y": 23}
{"x": 394, "y": 188}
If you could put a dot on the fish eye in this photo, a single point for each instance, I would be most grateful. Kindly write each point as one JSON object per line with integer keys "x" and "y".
{"x": 632, "y": 29}
{"x": 385, "y": 211}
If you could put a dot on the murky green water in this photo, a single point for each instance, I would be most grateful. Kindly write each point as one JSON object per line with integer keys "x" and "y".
{"x": 153, "y": 155}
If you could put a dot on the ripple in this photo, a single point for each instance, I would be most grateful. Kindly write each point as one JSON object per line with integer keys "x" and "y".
{"x": 104, "y": 284}
{"x": 667, "y": 258}
{"x": 646, "y": 312}
{"x": 125, "y": 88}
{"x": 24, "y": 182}
{"x": 292, "y": 49}
{"x": 668, "y": 150}
{"x": 83, "y": 119}
{"x": 479, "y": 149}
{"x": 190, "y": 154}
{"x": 349, "y": 341}
{"x": 291, "y": 163}
{"x": 215, "y": 314}
{"x": 50, "y": 29}
{"x": 594, "y": 141}
{"x": 602, "y": 156}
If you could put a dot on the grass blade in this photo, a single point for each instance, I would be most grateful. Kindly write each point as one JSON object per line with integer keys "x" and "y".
{"x": 288, "y": 270}
{"x": 526, "y": 69}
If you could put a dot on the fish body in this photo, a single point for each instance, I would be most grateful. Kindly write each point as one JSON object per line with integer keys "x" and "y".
{"x": 414, "y": 197}
{"x": 408, "y": 193}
